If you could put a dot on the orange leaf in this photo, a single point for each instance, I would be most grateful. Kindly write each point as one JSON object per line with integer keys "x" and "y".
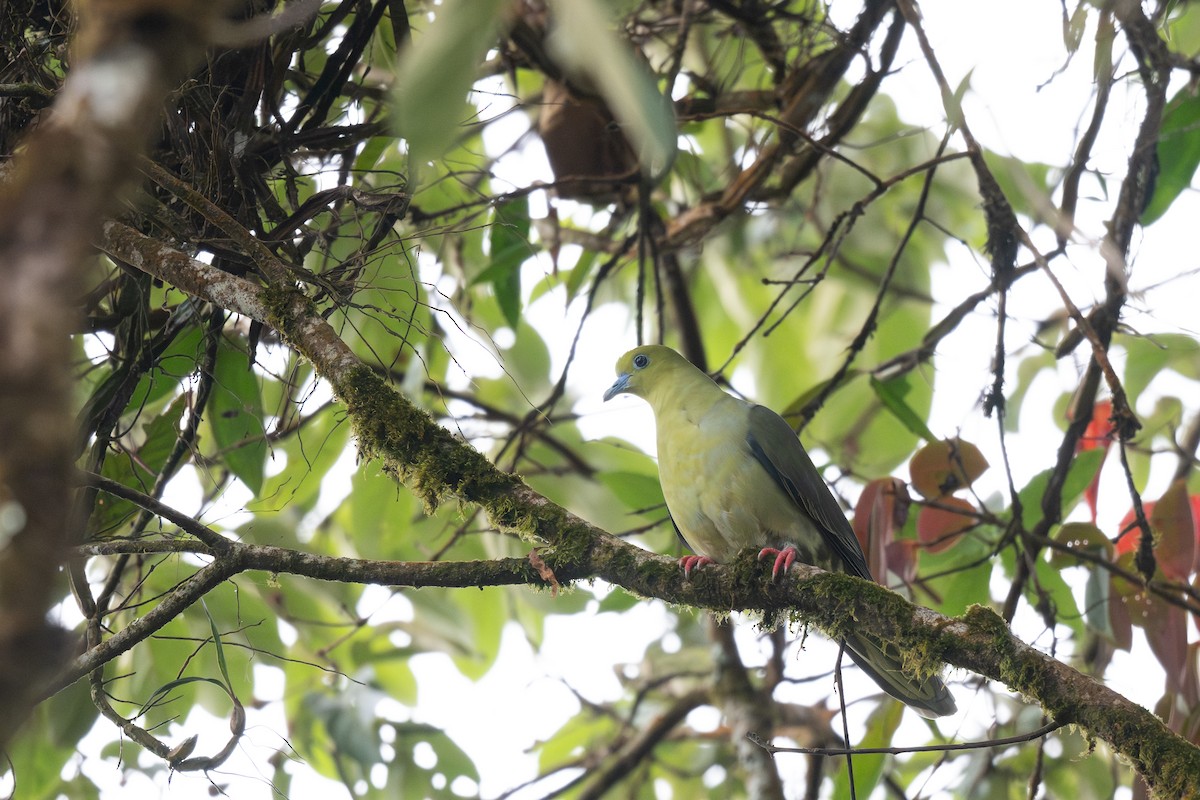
{"x": 939, "y": 528}
{"x": 940, "y": 468}
{"x": 1129, "y": 534}
{"x": 1099, "y": 432}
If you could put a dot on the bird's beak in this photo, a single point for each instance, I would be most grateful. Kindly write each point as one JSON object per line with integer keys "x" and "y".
{"x": 621, "y": 385}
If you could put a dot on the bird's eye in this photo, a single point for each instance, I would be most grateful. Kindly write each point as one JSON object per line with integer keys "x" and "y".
{"x": 640, "y": 361}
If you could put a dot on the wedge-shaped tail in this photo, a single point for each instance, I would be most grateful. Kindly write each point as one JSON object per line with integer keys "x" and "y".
{"x": 930, "y": 698}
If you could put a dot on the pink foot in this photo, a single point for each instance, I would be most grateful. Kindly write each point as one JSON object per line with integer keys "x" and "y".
{"x": 783, "y": 559}
{"x": 690, "y": 563}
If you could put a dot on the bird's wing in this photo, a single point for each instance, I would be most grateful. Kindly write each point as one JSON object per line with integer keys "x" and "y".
{"x": 774, "y": 444}
{"x": 678, "y": 533}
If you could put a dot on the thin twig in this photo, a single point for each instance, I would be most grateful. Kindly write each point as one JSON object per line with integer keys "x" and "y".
{"x": 1046, "y": 729}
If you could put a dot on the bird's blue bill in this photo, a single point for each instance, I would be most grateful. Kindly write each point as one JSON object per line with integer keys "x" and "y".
{"x": 621, "y": 385}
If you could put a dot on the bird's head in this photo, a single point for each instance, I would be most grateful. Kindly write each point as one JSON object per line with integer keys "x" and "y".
{"x": 643, "y": 368}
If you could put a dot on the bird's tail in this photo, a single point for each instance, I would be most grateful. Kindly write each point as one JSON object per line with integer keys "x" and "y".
{"x": 929, "y": 697}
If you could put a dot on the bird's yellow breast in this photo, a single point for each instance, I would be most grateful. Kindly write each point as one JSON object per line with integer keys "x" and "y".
{"x": 719, "y": 495}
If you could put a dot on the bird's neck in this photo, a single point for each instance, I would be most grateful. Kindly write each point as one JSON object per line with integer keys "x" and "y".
{"x": 691, "y": 398}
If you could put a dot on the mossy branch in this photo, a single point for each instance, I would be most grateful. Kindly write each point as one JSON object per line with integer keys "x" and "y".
{"x": 436, "y": 465}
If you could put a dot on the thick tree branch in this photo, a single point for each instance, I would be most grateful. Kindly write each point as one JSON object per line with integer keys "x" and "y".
{"x": 436, "y": 465}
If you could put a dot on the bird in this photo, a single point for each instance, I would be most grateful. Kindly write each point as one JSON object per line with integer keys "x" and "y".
{"x": 734, "y": 476}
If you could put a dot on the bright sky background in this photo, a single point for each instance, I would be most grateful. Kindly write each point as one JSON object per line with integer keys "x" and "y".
{"x": 1010, "y": 49}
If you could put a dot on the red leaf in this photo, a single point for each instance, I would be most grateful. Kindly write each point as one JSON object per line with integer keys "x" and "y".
{"x": 882, "y": 509}
{"x": 1129, "y": 534}
{"x": 939, "y": 528}
{"x": 1195, "y": 503}
{"x": 1098, "y": 433}
{"x": 1170, "y": 528}
{"x": 1166, "y": 631}
{"x": 901, "y": 558}
{"x": 1174, "y": 532}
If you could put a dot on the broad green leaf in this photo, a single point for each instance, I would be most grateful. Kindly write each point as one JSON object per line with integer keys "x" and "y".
{"x": 962, "y": 578}
{"x": 310, "y": 452}
{"x": 1147, "y": 356}
{"x": 377, "y": 518}
{"x": 509, "y": 243}
{"x": 437, "y": 71}
{"x": 892, "y": 393}
{"x": 1096, "y": 602}
{"x": 235, "y": 413}
{"x": 139, "y": 471}
{"x": 348, "y": 716}
{"x": 637, "y": 491}
{"x": 881, "y": 727}
{"x": 465, "y": 625}
{"x": 618, "y": 600}
{"x": 1183, "y": 29}
{"x": 1051, "y": 584}
{"x": 579, "y": 273}
{"x": 47, "y": 741}
{"x": 1178, "y": 152}
{"x": 1081, "y": 472}
{"x": 177, "y": 362}
{"x": 1025, "y": 184}
{"x": 958, "y": 576}
{"x": 1081, "y": 536}
{"x": 573, "y": 740}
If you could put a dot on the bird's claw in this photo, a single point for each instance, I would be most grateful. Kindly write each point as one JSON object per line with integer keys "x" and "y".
{"x": 783, "y": 560}
{"x": 690, "y": 563}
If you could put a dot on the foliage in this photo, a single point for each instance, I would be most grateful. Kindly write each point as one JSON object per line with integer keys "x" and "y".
{"x": 484, "y": 205}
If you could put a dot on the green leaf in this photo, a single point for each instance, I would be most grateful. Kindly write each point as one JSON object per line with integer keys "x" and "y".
{"x": 1178, "y": 152}
{"x": 577, "y": 275}
{"x": 1147, "y": 356}
{"x": 437, "y": 72}
{"x": 1081, "y": 472}
{"x": 1096, "y": 603}
{"x": 618, "y": 600}
{"x": 235, "y": 413}
{"x": 953, "y": 103}
{"x": 962, "y": 577}
{"x": 636, "y": 490}
{"x": 139, "y": 472}
{"x": 220, "y": 648}
{"x": 1025, "y": 184}
{"x": 1050, "y": 581}
{"x": 388, "y": 663}
{"x": 881, "y": 727}
{"x": 177, "y": 361}
{"x": 509, "y": 244}
{"x": 583, "y": 39}
{"x": 35, "y": 756}
{"x": 892, "y": 394}
{"x": 309, "y": 455}
{"x": 1073, "y": 28}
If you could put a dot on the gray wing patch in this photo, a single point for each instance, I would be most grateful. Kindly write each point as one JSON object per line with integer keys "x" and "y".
{"x": 774, "y": 444}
